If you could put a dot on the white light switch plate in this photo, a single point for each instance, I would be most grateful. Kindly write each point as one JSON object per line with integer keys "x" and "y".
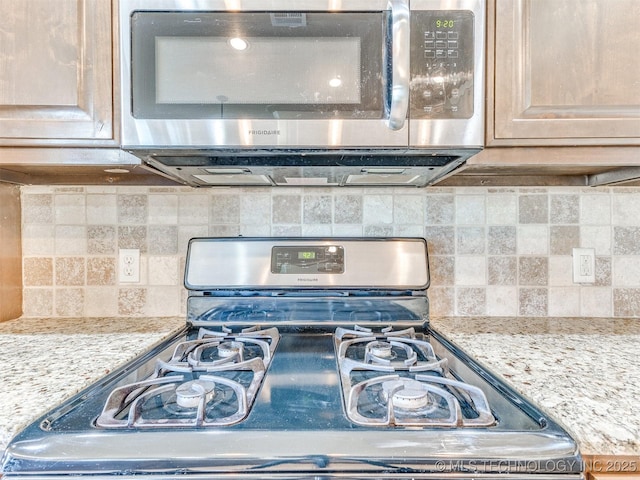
{"x": 584, "y": 265}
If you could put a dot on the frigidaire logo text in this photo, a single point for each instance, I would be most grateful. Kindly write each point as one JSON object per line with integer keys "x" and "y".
{"x": 315, "y": 279}
{"x": 264, "y": 132}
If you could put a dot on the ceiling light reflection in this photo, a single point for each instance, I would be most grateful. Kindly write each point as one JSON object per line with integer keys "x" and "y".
{"x": 238, "y": 43}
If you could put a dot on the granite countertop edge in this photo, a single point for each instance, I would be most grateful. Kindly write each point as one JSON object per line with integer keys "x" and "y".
{"x": 578, "y": 370}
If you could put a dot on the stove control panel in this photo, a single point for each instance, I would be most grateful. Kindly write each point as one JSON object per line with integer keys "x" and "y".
{"x": 307, "y": 259}
{"x": 333, "y": 263}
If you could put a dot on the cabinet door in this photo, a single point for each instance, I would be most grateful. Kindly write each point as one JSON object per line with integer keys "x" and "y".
{"x": 55, "y": 72}
{"x": 567, "y": 72}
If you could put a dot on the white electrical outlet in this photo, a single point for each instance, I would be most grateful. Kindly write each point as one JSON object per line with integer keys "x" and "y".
{"x": 584, "y": 265}
{"x": 129, "y": 265}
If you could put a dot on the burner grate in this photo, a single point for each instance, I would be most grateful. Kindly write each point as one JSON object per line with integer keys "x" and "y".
{"x": 210, "y": 381}
{"x": 392, "y": 378}
{"x": 160, "y": 403}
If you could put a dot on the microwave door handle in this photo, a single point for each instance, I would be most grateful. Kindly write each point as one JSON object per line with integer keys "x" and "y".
{"x": 400, "y": 58}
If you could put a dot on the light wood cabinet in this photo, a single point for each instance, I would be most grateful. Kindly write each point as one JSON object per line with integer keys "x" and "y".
{"x": 613, "y": 476}
{"x": 56, "y": 65}
{"x": 10, "y": 253}
{"x": 612, "y": 467}
{"x": 563, "y": 72}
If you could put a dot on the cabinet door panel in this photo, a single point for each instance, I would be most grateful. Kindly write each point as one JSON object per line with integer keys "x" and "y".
{"x": 567, "y": 72}
{"x": 55, "y": 71}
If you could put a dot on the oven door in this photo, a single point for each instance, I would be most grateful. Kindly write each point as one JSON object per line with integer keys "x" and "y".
{"x": 281, "y": 73}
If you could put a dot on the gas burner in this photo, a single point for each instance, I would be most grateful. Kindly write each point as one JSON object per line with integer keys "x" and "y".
{"x": 208, "y": 354}
{"x": 230, "y": 349}
{"x": 190, "y": 394}
{"x": 407, "y": 394}
{"x": 384, "y": 352}
{"x": 379, "y": 350}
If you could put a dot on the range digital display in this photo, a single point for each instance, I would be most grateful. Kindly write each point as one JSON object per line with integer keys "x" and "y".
{"x": 296, "y": 260}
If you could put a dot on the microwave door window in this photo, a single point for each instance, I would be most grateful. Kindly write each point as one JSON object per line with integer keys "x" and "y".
{"x": 258, "y": 71}
{"x": 246, "y": 65}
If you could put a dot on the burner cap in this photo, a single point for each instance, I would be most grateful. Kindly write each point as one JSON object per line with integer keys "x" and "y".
{"x": 188, "y": 394}
{"x": 229, "y": 349}
{"x": 380, "y": 349}
{"x": 410, "y": 396}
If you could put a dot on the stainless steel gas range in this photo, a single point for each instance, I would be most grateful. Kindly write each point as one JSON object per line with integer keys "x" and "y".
{"x": 300, "y": 358}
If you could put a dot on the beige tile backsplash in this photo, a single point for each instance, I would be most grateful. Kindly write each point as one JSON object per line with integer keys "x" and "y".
{"x": 493, "y": 251}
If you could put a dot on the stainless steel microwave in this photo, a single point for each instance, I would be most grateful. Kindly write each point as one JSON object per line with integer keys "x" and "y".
{"x": 341, "y": 91}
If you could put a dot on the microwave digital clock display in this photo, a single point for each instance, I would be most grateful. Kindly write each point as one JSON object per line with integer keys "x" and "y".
{"x": 445, "y": 23}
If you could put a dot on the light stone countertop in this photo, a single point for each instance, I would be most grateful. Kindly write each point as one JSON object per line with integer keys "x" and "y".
{"x": 45, "y": 361}
{"x": 584, "y": 372}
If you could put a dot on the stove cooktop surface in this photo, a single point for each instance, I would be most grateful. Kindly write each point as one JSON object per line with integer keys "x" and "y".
{"x": 369, "y": 377}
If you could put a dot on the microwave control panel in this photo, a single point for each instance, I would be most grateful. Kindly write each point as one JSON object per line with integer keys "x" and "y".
{"x": 442, "y": 62}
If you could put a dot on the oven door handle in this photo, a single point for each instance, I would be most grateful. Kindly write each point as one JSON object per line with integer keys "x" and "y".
{"x": 400, "y": 61}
